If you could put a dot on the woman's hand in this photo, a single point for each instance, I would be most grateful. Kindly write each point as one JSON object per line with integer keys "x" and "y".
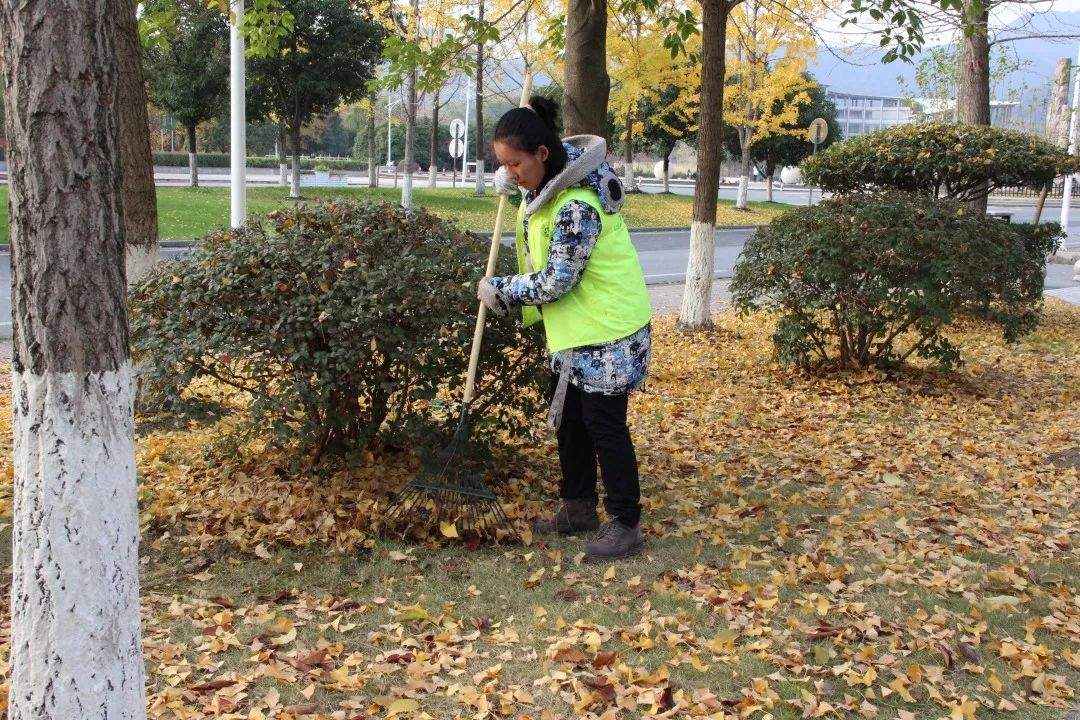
{"x": 504, "y": 184}
{"x": 492, "y": 298}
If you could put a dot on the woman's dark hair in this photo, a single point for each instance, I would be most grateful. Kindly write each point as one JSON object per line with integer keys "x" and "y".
{"x": 526, "y": 130}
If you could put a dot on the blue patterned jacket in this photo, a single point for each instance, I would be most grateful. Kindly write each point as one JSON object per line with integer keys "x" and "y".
{"x": 612, "y": 368}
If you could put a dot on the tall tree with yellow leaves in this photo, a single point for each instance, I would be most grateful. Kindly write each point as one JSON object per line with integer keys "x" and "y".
{"x": 768, "y": 53}
{"x": 641, "y": 70}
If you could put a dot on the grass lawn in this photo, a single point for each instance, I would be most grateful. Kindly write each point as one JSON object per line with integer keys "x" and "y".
{"x": 856, "y": 546}
{"x": 187, "y": 213}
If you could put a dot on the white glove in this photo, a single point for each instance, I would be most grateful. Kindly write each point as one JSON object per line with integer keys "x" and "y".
{"x": 504, "y": 184}
{"x": 492, "y": 298}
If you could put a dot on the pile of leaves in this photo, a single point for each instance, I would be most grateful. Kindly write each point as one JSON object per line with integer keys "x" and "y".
{"x": 866, "y": 545}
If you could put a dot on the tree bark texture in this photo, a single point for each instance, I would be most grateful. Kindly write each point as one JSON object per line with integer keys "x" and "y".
{"x": 973, "y": 94}
{"x": 697, "y": 295}
{"x": 1057, "y": 116}
{"x": 628, "y": 154}
{"x": 76, "y": 651}
{"x": 586, "y": 87}
{"x": 140, "y": 196}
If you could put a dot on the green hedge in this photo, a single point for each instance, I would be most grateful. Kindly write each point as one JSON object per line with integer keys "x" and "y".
{"x": 871, "y": 279}
{"x": 961, "y": 162}
{"x": 222, "y": 160}
{"x": 343, "y": 321}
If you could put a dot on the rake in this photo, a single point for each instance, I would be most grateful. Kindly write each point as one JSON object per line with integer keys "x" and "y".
{"x": 451, "y": 491}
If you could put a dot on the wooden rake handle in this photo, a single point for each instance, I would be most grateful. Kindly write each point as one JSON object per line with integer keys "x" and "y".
{"x": 493, "y": 259}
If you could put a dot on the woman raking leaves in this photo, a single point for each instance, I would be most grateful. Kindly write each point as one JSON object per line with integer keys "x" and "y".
{"x": 580, "y": 276}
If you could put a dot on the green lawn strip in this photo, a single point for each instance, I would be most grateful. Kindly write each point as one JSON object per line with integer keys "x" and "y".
{"x": 188, "y": 213}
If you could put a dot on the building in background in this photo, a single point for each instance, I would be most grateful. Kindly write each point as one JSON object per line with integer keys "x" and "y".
{"x": 861, "y": 114}
{"x": 1003, "y": 113}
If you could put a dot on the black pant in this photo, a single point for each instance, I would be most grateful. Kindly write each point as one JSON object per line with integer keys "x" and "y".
{"x": 594, "y": 428}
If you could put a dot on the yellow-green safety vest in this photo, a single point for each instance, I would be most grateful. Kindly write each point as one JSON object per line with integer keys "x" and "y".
{"x": 609, "y": 302}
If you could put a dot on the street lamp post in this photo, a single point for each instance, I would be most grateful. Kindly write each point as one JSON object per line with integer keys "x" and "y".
{"x": 465, "y": 153}
{"x": 237, "y": 120}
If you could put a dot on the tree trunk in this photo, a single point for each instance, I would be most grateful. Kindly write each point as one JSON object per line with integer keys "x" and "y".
{"x": 372, "y": 165}
{"x": 75, "y": 645}
{"x": 745, "y": 138}
{"x": 192, "y": 157}
{"x": 769, "y": 185}
{"x": 283, "y": 167}
{"x": 433, "y": 169}
{"x": 1057, "y": 117}
{"x": 410, "y": 115}
{"x": 480, "y": 109}
{"x": 586, "y": 87}
{"x": 294, "y": 190}
{"x": 628, "y": 154}
{"x": 697, "y": 295}
{"x": 973, "y": 93}
{"x": 140, "y": 196}
{"x": 667, "y": 172}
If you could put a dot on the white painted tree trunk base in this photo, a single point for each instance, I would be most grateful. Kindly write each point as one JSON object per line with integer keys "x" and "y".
{"x": 479, "y": 177}
{"x": 628, "y": 179}
{"x": 433, "y": 176}
{"x": 1076, "y": 271}
{"x": 406, "y": 191}
{"x": 744, "y": 191}
{"x": 139, "y": 261}
{"x": 294, "y": 189}
{"x": 283, "y": 175}
{"x": 76, "y": 650}
{"x": 193, "y": 170}
{"x": 697, "y": 295}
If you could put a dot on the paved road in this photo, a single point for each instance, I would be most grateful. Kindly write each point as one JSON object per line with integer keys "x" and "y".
{"x": 1022, "y": 210}
{"x": 663, "y": 257}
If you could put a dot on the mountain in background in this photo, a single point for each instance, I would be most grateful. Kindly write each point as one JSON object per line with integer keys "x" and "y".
{"x": 858, "y": 69}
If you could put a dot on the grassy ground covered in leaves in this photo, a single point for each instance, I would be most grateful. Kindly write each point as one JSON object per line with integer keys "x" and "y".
{"x": 188, "y": 213}
{"x": 858, "y": 546}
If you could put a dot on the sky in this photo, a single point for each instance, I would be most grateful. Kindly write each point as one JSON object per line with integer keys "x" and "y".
{"x": 830, "y": 32}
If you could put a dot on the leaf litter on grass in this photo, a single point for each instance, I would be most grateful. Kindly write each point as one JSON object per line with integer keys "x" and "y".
{"x": 856, "y": 546}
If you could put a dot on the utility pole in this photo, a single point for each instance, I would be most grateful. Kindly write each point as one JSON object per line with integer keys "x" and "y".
{"x": 237, "y": 120}
{"x": 465, "y": 156}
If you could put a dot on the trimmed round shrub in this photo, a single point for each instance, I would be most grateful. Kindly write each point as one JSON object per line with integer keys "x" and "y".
{"x": 341, "y": 321}
{"x": 871, "y": 280}
{"x": 960, "y": 162}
